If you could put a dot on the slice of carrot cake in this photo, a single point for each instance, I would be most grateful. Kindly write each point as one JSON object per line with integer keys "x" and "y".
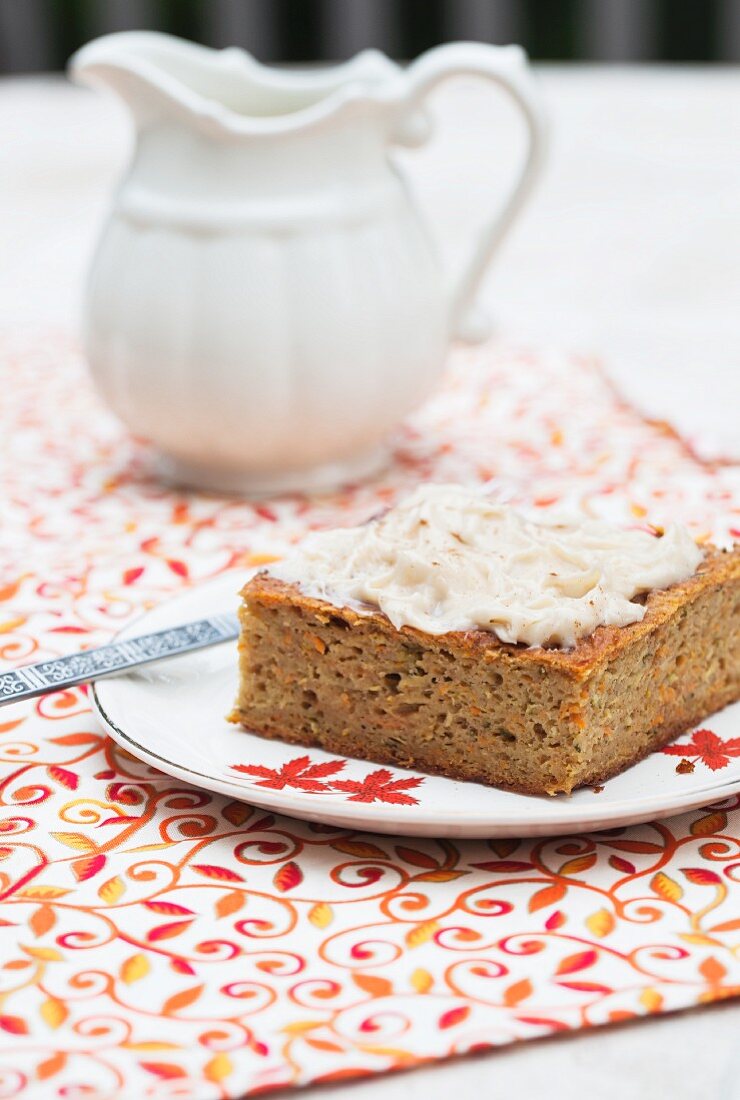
{"x": 456, "y": 635}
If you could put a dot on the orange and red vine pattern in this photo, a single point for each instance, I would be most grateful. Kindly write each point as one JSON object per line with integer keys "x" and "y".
{"x": 156, "y": 939}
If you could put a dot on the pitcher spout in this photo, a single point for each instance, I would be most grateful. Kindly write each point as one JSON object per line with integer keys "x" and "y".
{"x": 127, "y": 64}
{"x": 226, "y": 91}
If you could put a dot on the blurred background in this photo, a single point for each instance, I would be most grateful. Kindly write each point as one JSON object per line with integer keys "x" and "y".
{"x": 37, "y": 35}
{"x": 630, "y": 247}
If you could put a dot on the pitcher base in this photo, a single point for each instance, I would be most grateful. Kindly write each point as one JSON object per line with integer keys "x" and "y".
{"x": 315, "y": 479}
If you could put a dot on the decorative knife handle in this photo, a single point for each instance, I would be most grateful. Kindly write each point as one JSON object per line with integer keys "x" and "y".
{"x": 92, "y": 664}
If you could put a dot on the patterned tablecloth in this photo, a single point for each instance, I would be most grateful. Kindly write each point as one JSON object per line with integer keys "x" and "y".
{"x": 158, "y": 940}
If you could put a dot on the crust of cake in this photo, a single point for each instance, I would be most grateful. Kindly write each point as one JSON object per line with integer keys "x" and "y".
{"x": 544, "y": 721}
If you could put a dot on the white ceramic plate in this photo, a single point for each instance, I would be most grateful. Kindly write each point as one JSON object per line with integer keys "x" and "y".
{"x": 170, "y": 715}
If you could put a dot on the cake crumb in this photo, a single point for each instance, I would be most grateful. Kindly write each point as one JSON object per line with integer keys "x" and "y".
{"x": 684, "y": 767}
{"x": 598, "y": 788}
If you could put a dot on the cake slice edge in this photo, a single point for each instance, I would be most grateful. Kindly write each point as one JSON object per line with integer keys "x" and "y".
{"x": 465, "y": 705}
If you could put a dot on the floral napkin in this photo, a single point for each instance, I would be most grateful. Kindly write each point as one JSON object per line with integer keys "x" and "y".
{"x": 159, "y": 940}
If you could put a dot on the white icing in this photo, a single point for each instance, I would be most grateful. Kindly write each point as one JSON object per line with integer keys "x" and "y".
{"x": 448, "y": 558}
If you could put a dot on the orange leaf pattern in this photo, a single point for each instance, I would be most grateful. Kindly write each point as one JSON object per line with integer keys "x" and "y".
{"x": 223, "y": 874}
{"x": 183, "y": 999}
{"x": 375, "y": 986}
{"x": 421, "y": 980}
{"x": 579, "y": 961}
{"x": 53, "y": 1012}
{"x": 159, "y": 938}
{"x": 321, "y": 915}
{"x": 42, "y": 920}
{"x": 134, "y": 968}
{"x": 517, "y": 992}
{"x": 14, "y": 1025}
{"x": 600, "y": 923}
{"x": 167, "y": 1071}
{"x": 666, "y": 887}
{"x": 453, "y": 1016}
{"x": 287, "y": 877}
{"x": 702, "y": 876}
{"x": 230, "y": 903}
{"x": 548, "y": 895}
{"x": 88, "y": 866}
{"x": 51, "y": 1066}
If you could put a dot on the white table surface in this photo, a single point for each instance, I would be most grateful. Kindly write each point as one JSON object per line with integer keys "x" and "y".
{"x": 631, "y": 249}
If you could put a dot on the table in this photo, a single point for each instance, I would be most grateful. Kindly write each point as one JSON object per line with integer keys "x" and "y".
{"x": 629, "y": 249}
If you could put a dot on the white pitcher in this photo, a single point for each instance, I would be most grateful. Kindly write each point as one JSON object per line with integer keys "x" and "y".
{"x": 265, "y": 304}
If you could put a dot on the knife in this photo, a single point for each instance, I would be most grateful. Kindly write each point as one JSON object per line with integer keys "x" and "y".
{"x": 28, "y": 681}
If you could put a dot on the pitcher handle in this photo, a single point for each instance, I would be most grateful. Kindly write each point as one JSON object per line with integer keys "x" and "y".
{"x": 505, "y": 66}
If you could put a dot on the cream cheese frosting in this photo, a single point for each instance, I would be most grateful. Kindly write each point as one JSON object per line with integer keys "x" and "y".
{"x": 449, "y": 558}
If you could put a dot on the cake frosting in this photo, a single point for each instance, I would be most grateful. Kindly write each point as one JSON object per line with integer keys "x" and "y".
{"x": 449, "y": 558}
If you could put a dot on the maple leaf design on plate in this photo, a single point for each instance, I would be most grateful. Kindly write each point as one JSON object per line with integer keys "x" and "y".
{"x": 302, "y": 775}
{"x": 379, "y": 786}
{"x": 708, "y": 747}
{"x": 298, "y": 773}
